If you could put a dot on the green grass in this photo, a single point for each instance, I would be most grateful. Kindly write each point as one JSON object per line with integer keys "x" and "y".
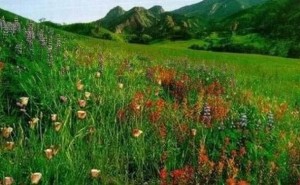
{"x": 273, "y": 77}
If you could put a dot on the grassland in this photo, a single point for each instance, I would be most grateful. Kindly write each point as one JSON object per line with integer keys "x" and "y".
{"x": 272, "y": 77}
{"x": 159, "y": 114}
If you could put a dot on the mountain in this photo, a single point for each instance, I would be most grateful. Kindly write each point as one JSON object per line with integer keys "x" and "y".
{"x": 136, "y": 19}
{"x": 153, "y": 23}
{"x": 217, "y": 9}
{"x": 157, "y": 10}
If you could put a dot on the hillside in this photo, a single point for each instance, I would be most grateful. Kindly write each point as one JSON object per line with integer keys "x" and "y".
{"x": 9, "y": 16}
{"x": 217, "y": 9}
{"x": 276, "y": 20}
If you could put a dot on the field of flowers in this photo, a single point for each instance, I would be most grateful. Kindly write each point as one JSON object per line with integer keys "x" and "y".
{"x": 72, "y": 115}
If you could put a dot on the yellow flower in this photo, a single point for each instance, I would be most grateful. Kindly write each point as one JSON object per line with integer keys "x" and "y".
{"x": 36, "y": 177}
{"x": 24, "y": 101}
{"x": 87, "y": 95}
{"x": 79, "y": 86}
{"x": 136, "y": 133}
{"x": 120, "y": 85}
{"x": 54, "y": 117}
{"x": 98, "y": 74}
{"x": 8, "y": 181}
{"x": 51, "y": 152}
{"x": 9, "y": 145}
{"x": 33, "y": 122}
{"x": 193, "y": 132}
{"x": 6, "y": 131}
{"x": 95, "y": 173}
{"x": 159, "y": 82}
{"x": 82, "y": 103}
{"x": 57, "y": 126}
{"x": 81, "y": 114}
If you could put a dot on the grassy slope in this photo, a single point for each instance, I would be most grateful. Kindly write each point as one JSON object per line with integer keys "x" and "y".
{"x": 266, "y": 75}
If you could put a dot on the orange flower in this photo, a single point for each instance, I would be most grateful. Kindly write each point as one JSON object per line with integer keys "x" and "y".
{"x": 242, "y": 182}
{"x": 36, "y": 177}
{"x": 136, "y": 133}
{"x": 231, "y": 181}
{"x": 6, "y": 131}
{"x": 81, "y": 114}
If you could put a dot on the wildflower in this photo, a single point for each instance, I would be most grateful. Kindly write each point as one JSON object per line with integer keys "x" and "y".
{"x": 82, "y": 103}
{"x": 95, "y": 173}
{"x": 193, "y": 132}
{"x": 36, "y": 177}
{"x": 63, "y": 99}
{"x": 136, "y": 133}
{"x": 33, "y": 122}
{"x": 57, "y": 126}
{"x": 51, "y": 152}
{"x": 87, "y": 95}
{"x": 23, "y": 101}
{"x": 98, "y": 74}
{"x": 81, "y": 114}
{"x": 48, "y": 153}
{"x": 6, "y": 131}
{"x": 79, "y": 85}
{"x": 9, "y": 145}
{"x": 1, "y": 66}
{"x": 231, "y": 181}
{"x": 270, "y": 120}
{"x": 54, "y": 117}
{"x": 242, "y": 182}
{"x": 159, "y": 82}
{"x": 163, "y": 174}
{"x": 120, "y": 85}
{"x": 243, "y": 121}
{"x": 242, "y": 151}
{"x": 8, "y": 181}
{"x": 206, "y": 114}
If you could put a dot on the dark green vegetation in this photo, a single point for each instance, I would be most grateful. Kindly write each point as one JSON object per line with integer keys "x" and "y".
{"x": 216, "y": 9}
{"x": 158, "y": 114}
{"x": 241, "y": 26}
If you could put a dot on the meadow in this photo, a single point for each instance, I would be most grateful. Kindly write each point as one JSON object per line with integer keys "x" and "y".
{"x": 78, "y": 110}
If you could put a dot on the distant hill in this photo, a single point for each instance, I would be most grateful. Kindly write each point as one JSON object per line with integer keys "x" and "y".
{"x": 9, "y": 16}
{"x": 277, "y": 19}
{"x": 217, "y": 9}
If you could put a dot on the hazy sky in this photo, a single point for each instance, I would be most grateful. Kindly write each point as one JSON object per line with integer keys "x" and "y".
{"x": 70, "y": 11}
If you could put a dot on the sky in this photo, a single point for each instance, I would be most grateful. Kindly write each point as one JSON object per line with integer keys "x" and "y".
{"x": 71, "y": 11}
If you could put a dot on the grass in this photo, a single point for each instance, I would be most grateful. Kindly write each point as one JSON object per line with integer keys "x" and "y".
{"x": 205, "y": 117}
